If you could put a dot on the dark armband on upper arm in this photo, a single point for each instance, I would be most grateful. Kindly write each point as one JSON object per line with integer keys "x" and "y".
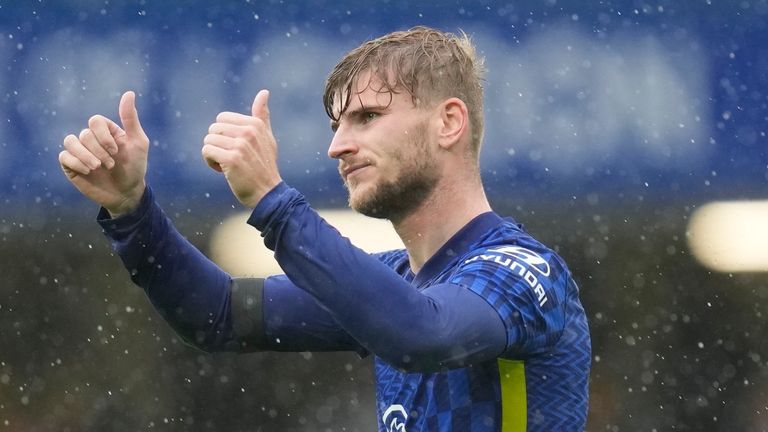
{"x": 247, "y": 299}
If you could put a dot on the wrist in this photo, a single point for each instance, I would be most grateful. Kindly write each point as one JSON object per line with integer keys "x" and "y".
{"x": 128, "y": 204}
{"x": 254, "y": 200}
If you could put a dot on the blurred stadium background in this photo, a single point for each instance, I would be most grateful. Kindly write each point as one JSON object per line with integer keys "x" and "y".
{"x": 615, "y": 131}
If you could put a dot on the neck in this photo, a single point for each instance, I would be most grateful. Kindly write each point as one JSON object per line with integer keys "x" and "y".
{"x": 425, "y": 230}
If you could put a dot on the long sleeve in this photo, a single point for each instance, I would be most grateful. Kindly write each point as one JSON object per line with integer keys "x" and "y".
{"x": 436, "y": 327}
{"x": 204, "y": 305}
{"x": 189, "y": 291}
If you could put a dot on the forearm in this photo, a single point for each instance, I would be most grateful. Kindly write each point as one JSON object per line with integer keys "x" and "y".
{"x": 444, "y": 326}
{"x": 188, "y": 290}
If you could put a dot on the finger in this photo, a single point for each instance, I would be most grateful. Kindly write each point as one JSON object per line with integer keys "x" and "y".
{"x": 89, "y": 140}
{"x": 114, "y": 129}
{"x": 129, "y": 115}
{"x": 100, "y": 126}
{"x": 236, "y": 119}
{"x": 230, "y": 130}
{"x": 220, "y": 141}
{"x": 260, "y": 107}
{"x": 71, "y": 165}
{"x": 75, "y": 147}
{"x": 213, "y": 156}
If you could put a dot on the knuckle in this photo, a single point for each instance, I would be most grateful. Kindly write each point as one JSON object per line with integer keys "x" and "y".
{"x": 251, "y": 133}
{"x": 241, "y": 143}
{"x": 259, "y": 123}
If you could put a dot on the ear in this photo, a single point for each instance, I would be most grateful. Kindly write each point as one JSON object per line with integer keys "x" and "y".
{"x": 453, "y": 122}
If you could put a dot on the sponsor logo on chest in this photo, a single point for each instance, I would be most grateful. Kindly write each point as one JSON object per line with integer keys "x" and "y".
{"x": 524, "y": 262}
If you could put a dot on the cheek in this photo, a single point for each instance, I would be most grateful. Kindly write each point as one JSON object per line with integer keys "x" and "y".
{"x": 411, "y": 156}
{"x": 391, "y": 166}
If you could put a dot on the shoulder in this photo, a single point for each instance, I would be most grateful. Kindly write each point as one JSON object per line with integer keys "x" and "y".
{"x": 525, "y": 281}
{"x": 509, "y": 260}
{"x": 508, "y": 245}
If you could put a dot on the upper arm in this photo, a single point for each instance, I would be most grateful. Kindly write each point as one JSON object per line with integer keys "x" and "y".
{"x": 293, "y": 320}
{"x": 246, "y": 296}
{"x": 454, "y": 328}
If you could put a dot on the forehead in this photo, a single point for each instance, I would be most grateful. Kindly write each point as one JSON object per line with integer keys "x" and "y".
{"x": 368, "y": 90}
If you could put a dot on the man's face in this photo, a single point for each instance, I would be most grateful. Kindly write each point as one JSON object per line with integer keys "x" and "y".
{"x": 384, "y": 151}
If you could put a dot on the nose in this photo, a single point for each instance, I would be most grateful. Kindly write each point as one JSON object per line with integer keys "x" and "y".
{"x": 341, "y": 144}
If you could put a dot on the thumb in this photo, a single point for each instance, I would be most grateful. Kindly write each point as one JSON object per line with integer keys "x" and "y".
{"x": 260, "y": 109}
{"x": 129, "y": 116}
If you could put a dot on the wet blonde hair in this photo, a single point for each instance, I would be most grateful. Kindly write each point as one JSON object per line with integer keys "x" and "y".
{"x": 429, "y": 64}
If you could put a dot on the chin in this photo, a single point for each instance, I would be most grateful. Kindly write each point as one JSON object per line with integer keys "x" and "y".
{"x": 358, "y": 198}
{"x": 361, "y": 200}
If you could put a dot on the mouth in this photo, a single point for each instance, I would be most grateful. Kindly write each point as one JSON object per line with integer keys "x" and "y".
{"x": 353, "y": 169}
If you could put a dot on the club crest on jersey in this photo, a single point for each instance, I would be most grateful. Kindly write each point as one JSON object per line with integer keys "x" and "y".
{"x": 394, "y": 418}
{"x": 521, "y": 261}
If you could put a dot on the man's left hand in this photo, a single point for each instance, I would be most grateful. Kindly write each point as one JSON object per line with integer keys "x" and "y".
{"x": 244, "y": 149}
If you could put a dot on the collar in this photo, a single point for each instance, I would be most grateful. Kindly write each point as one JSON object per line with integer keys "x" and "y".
{"x": 458, "y": 245}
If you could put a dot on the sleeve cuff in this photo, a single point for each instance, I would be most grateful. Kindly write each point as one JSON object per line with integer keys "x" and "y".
{"x": 127, "y": 220}
{"x": 261, "y": 213}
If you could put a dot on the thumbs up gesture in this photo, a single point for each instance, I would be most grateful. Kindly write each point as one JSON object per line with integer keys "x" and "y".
{"x": 244, "y": 149}
{"x": 106, "y": 162}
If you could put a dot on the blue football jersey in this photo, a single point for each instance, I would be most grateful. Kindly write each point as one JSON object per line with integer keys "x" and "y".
{"x": 537, "y": 382}
{"x": 540, "y": 381}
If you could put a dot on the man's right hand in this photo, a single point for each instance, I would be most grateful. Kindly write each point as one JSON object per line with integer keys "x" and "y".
{"x": 107, "y": 163}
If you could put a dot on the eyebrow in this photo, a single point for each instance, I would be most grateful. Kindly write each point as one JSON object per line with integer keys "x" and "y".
{"x": 352, "y": 113}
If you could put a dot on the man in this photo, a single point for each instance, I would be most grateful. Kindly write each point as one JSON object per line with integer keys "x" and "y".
{"x": 475, "y": 326}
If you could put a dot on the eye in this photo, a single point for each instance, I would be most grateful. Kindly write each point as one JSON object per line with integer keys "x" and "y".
{"x": 368, "y": 116}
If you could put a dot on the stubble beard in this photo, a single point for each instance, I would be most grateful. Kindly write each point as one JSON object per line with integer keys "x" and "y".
{"x": 395, "y": 200}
